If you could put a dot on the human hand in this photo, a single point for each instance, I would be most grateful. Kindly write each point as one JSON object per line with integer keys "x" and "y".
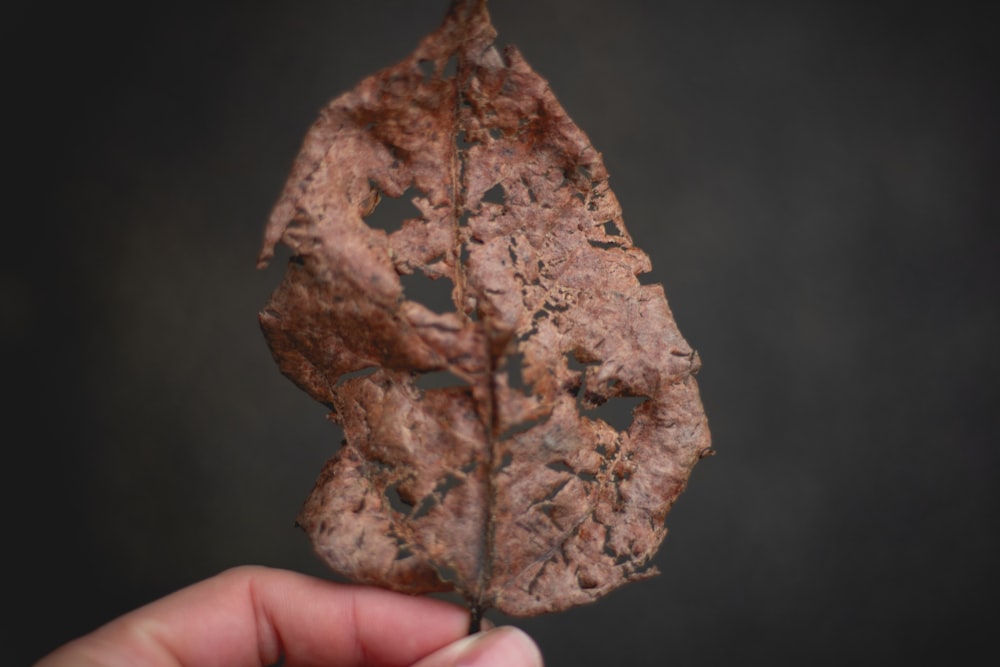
{"x": 255, "y": 616}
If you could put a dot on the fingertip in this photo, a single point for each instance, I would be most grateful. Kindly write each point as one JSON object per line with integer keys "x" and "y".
{"x": 505, "y": 646}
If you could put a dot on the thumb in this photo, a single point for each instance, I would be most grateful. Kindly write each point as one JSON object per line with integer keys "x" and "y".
{"x": 502, "y": 647}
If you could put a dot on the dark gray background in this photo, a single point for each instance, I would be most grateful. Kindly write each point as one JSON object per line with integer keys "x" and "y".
{"x": 815, "y": 183}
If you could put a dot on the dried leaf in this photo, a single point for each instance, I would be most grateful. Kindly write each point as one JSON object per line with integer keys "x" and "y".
{"x": 502, "y": 484}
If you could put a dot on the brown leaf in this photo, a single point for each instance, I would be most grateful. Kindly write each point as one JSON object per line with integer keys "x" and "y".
{"x": 502, "y": 484}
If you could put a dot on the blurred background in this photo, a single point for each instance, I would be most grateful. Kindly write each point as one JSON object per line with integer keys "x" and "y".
{"x": 815, "y": 182}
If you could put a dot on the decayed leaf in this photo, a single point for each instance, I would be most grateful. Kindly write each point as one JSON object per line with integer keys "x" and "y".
{"x": 503, "y": 486}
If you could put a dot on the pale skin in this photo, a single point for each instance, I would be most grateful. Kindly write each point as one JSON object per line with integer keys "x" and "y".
{"x": 254, "y": 616}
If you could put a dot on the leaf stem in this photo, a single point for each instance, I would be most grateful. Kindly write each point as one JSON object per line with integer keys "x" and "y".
{"x": 475, "y": 618}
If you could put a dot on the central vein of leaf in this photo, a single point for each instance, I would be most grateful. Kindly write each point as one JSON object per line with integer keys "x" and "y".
{"x": 488, "y": 413}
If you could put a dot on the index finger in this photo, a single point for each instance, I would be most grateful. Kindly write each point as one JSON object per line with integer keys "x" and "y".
{"x": 254, "y": 616}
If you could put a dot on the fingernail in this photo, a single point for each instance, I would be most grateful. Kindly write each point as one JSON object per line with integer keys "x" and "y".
{"x": 502, "y": 647}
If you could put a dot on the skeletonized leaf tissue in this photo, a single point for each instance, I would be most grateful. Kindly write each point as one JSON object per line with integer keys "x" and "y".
{"x": 474, "y": 457}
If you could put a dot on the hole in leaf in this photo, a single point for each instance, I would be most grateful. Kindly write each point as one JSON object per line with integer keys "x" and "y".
{"x": 390, "y": 212}
{"x": 619, "y": 559}
{"x": 434, "y": 293}
{"x": 611, "y": 229}
{"x": 403, "y": 552}
{"x": 521, "y": 427}
{"x": 562, "y": 466}
{"x": 398, "y": 501}
{"x": 574, "y": 364}
{"x": 554, "y": 491}
{"x": 559, "y": 466}
{"x": 427, "y": 69}
{"x": 466, "y": 249}
{"x": 462, "y": 141}
{"x": 590, "y": 400}
{"x": 439, "y": 380}
{"x": 450, "y": 68}
{"x": 494, "y": 195}
{"x": 530, "y": 333}
{"x": 515, "y": 377}
{"x": 363, "y": 372}
{"x": 584, "y": 400}
{"x": 424, "y": 508}
{"x": 558, "y": 307}
{"x": 471, "y": 308}
{"x": 440, "y": 257}
{"x": 446, "y": 572}
{"x": 603, "y": 245}
{"x": 617, "y": 411}
{"x": 447, "y": 484}
{"x": 572, "y": 387}
{"x": 495, "y": 132}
